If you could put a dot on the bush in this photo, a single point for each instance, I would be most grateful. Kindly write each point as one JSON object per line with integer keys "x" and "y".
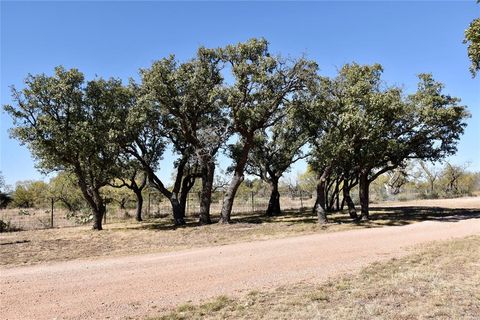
{"x": 81, "y": 216}
{"x": 6, "y": 226}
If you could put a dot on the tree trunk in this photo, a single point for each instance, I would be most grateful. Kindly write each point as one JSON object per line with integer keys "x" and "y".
{"x": 183, "y": 201}
{"x": 333, "y": 196}
{"x": 235, "y": 183}
{"x": 229, "y": 198}
{"x": 139, "y": 206}
{"x": 348, "y": 199}
{"x": 178, "y": 213}
{"x": 208, "y": 172}
{"x": 337, "y": 199}
{"x": 364, "y": 185}
{"x": 187, "y": 184}
{"x": 320, "y": 203}
{"x": 94, "y": 200}
{"x": 98, "y": 214}
{"x": 274, "y": 202}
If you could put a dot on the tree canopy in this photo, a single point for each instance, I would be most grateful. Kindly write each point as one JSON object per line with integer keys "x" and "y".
{"x": 472, "y": 39}
{"x": 258, "y": 98}
{"x": 362, "y": 128}
{"x": 75, "y": 126}
{"x": 272, "y": 109}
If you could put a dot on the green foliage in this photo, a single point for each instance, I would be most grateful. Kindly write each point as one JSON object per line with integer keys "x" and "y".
{"x": 6, "y": 226}
{"x": 276, "y": 149}
{"x": 264, "y": 85}
{"x": 120, "y": 196}
{"x": 73, "y": 126}
{"x": 472, "y": 38}
{"x": 29, "y": 194}
{"x": 307, "y": 181}
{"x": 64, "y": 190}
{"x": 364, "y": 126}
{"x": 82, "y": 216}
{"x": 421, "y": 180}
{"x": 456, "y": 181}
{"x": 5, "y": 198}
{"x": 189, "y": 98}
{"x": 256, "y": 186}
{"x": 66, "y": 123}
{"x": 101, "y": 132}
{"x": 24, "y": 212}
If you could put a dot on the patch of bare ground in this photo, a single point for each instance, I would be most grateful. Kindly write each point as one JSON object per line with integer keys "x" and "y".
{"x": 158, "y": 235}
{"x": 438, "y": 281}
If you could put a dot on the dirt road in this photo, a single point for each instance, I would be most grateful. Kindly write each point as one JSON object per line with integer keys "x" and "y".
{"x": 137, "y": 286}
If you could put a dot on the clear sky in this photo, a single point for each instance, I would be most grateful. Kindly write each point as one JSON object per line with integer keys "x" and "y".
{"x": 117, "y": 38}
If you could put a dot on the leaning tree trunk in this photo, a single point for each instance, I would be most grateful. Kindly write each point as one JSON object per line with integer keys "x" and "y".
{"x": 364, "y": 185}
{"x": 337, "y": 200}
{"x": 273, "y": 208}
{"x": 230, "y": 197}
{"x": 208, "y": 172}
{"x": 235, "y": 183}
{"x": 320, "y": 203}
{"x": 348, "y": 199}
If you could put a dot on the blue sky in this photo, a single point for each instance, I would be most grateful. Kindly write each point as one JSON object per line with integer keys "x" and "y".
{"x": 117, "y": 38}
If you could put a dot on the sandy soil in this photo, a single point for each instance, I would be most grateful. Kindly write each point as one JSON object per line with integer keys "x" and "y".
{"x": 138, "y": 286}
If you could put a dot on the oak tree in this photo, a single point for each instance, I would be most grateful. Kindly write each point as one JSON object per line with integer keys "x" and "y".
{"x": 74, "y": 126}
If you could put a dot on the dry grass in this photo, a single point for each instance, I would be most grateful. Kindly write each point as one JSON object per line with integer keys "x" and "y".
{"x": 127, "y": 238}
{"x": 158, "y": 235}
{"x": 439, "y": 281}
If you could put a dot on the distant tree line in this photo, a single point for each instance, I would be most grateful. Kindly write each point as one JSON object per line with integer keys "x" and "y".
{"x": 273, "y": 111}
{"x": 417, "y": 180}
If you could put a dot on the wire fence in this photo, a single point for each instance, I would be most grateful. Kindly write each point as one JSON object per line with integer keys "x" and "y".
{"x": 155, "y": 206}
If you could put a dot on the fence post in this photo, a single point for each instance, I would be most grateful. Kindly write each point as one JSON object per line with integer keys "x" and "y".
{"x": 253, "y": 204}
{"x": 51, "y": 215}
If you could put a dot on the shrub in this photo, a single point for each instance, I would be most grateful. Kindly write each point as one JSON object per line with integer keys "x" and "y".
{"x": 6, "y": 226}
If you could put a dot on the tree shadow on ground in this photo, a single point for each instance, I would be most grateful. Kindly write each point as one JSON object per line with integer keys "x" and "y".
{"x": 379, "y": 216}
{"x": 399, "y": 216}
